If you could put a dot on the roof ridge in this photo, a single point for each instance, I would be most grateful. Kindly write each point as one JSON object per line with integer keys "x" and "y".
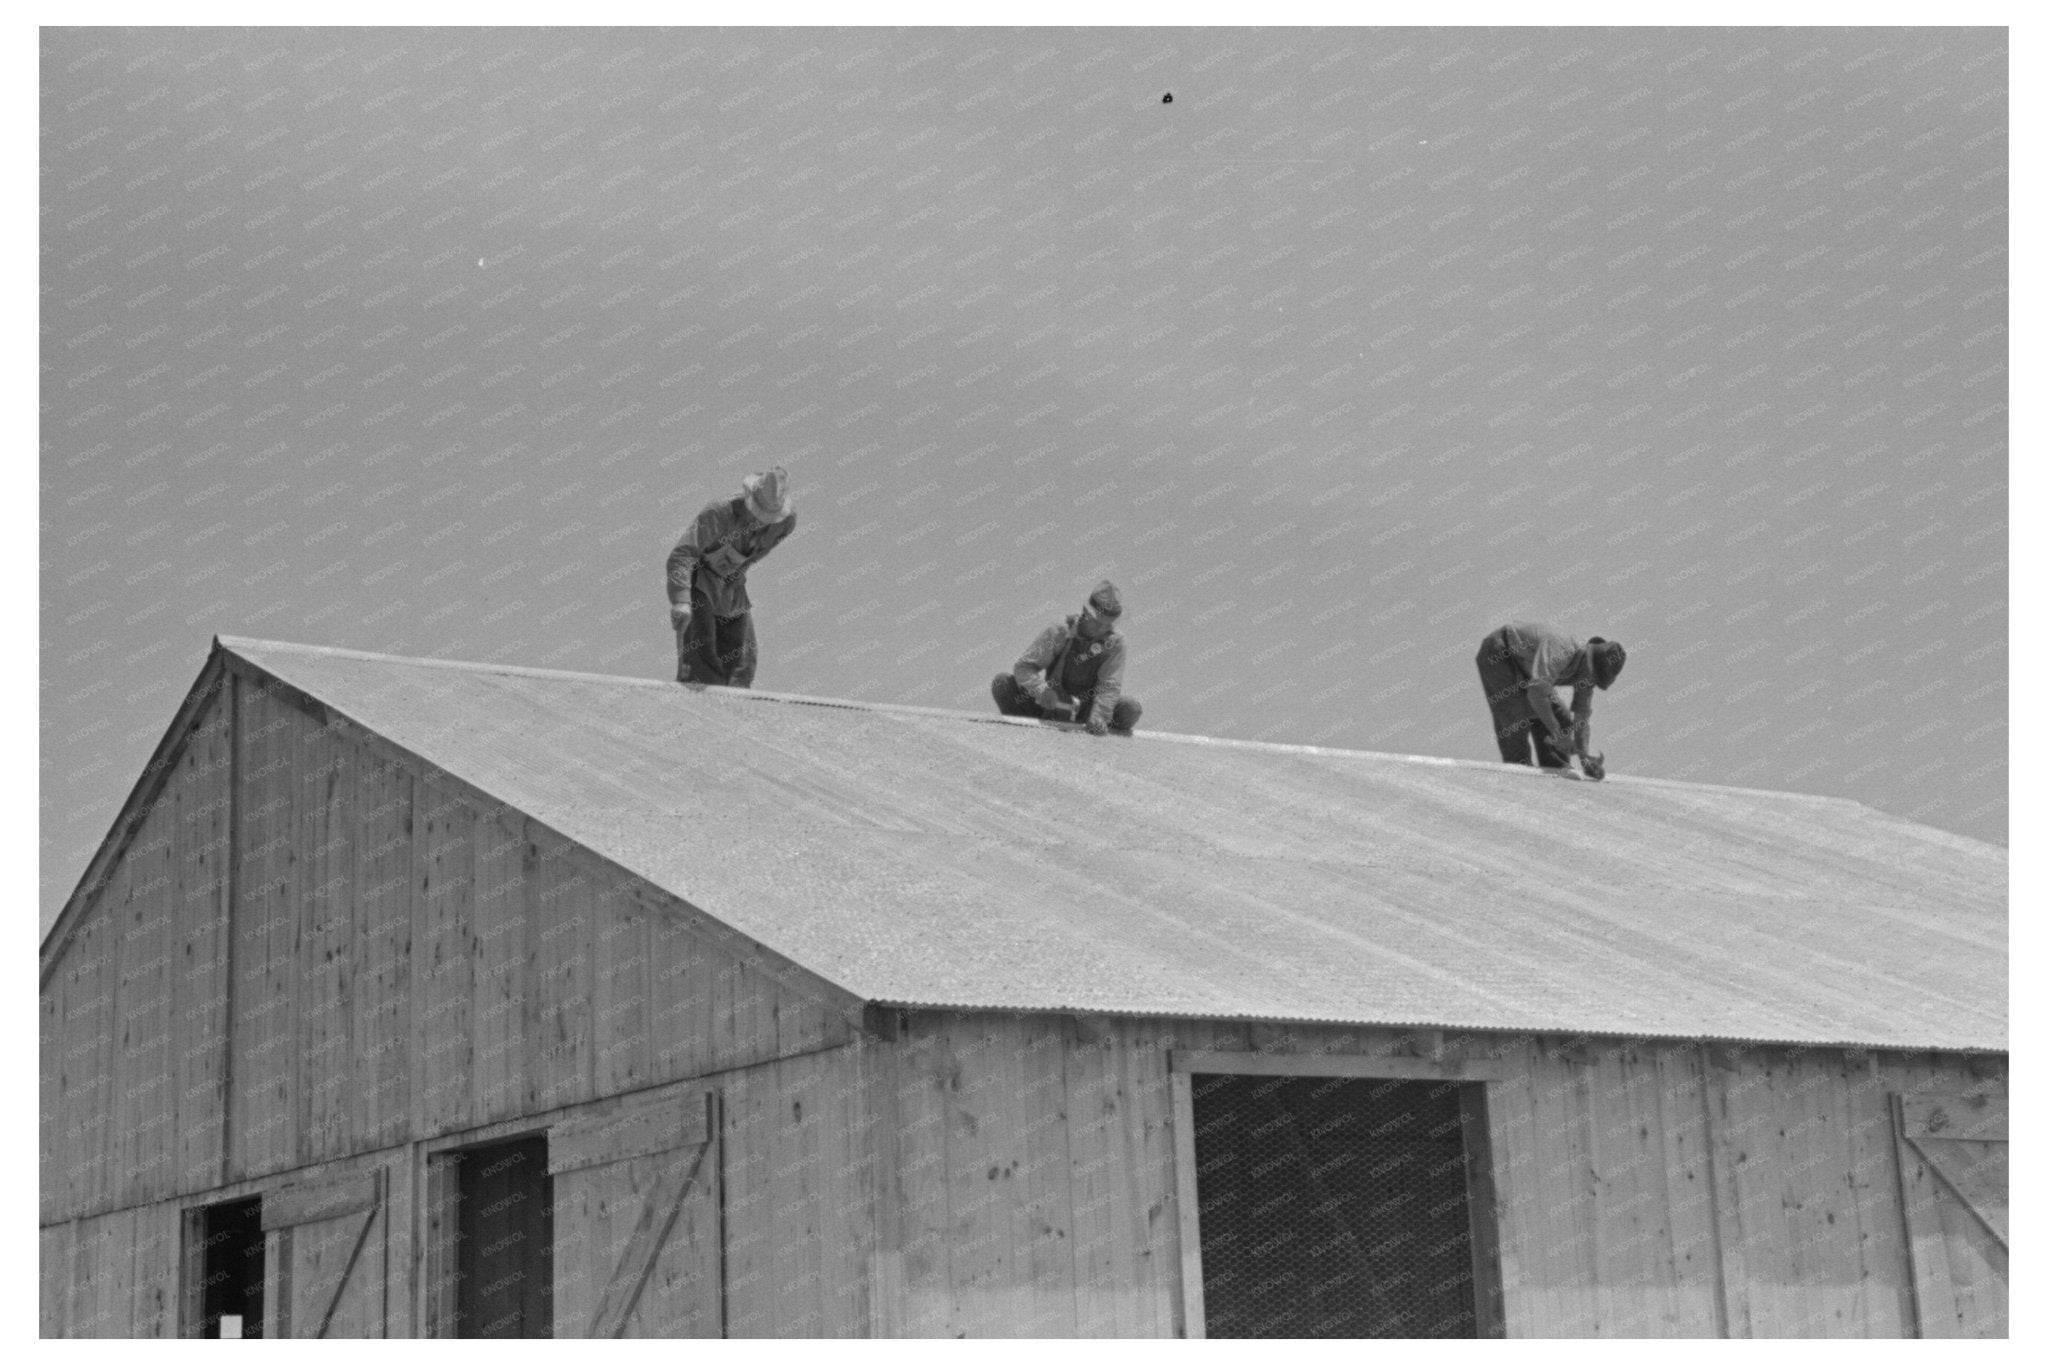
{"x": 736, "y": 694}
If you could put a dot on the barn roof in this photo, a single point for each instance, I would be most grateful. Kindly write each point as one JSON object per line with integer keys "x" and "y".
{"x": 919, "y": 857}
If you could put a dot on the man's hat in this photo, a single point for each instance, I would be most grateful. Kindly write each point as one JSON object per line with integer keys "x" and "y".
{"x": 1608, "y": 656}
{"x": 1105, "y": 602}
{"x": 768, "y": 494}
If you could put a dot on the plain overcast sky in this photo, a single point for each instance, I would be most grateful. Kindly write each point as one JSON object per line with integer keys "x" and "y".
{"x": 431, "y": 343}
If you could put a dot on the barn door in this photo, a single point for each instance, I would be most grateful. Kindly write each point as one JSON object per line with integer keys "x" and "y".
{"x": 1952, "y": 1174}
{"x": 637, "y": 1241}
{"x": 324, "y": 1273}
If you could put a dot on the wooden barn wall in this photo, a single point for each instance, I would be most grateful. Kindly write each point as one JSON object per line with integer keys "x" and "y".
{"x": 800, "y": 1171}
{"x": 115, "y": 1275}
{"x": 1658, "y": 1190}
{"x": 400, "y": 961}
{"x": 1025, "y": 1179}
{"x": 133, "y": 1016}
{"x": 121, "y": 1274}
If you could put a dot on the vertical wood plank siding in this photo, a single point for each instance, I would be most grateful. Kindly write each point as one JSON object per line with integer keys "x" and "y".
{"x": 1033, "y": 1187}
{"x": 1809, "y": 1214}
{"x": 444, "y": 954}
{"x": 54, "y": 1266}
{"x": 502, "y": 985}
{"x": 103, "y": 1298}
{"x": 380, "y": 1020}
{"x": 201, "y": 985}
{"x": 327, "y": 1107}
{"x": 799, "y": 1206}
{"x": 621, "y": 975}
{"x": 133, "y": 1017}
{"x": 557, "y": 1032}
{"x": 159, "y": 1243}
{"x": 263, "y": 1109}
{"x": 1643, "y": 1189}
{"x": 315, "y": 948}
{"x": 144, "y": 1118}
{"x": 89, "y": 1078}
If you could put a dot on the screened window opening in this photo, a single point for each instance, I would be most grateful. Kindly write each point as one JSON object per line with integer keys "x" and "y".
{"x": 1335, "y": 1207}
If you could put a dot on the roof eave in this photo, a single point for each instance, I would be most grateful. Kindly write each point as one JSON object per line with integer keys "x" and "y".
{"x": 2000, "y": 1049}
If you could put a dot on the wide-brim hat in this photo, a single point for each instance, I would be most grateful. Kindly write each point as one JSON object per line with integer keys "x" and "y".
{"x": 767, "y": 493}
{"x": 1607, "y": 657}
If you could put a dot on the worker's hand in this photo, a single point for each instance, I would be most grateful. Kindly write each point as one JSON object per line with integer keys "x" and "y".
{"x": 1594, "y": 765}
{"x": 1097, "y": 725}
{"x": 679, "y": 615}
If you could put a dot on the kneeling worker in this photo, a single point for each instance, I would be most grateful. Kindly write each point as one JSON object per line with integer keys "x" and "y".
{"x": 707, "y": 580}
{"x": 1520, "y": 668}
{"x": 1074, "y": 670}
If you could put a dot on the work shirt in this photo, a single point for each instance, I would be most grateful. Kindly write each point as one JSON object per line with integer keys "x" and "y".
{"x": 1545, "y": 660}
{"x": 717, "y": 550}
{"x": 1074, "y": 667}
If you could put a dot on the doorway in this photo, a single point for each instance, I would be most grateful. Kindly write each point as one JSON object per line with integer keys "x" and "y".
{"x": 505, "y": 1240}
{"x": 230, "y": 1265}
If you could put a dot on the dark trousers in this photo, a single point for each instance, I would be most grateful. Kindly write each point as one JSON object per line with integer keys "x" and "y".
{"x": 1011, "y": 701}
{"x": 1515, "y": 726}
{"x": 708, "y": 650}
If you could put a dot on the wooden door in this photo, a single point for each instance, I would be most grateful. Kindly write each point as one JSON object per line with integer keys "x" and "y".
{"x": 324, "y": 1263}
{"x": 1952, "y": 1176}
{"x": 638, "y": 1245}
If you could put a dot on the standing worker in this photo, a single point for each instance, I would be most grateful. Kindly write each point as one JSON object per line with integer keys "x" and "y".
{"x": 1074, "y": 670}
{"x": 707, "y": 580}
{"x": 1521, "y": 666}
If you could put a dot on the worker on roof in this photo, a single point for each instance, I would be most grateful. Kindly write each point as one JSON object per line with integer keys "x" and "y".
{"x": 1521, "y": 666}
{"x": 1074, "y": 670}
{"x": 707, "y": 579}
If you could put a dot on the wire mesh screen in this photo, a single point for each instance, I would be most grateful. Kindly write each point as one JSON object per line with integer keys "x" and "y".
{"x": 1332, "y": 1207}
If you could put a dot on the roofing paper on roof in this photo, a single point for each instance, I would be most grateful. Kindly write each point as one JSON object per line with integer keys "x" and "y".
{"x": 917, "y": 857}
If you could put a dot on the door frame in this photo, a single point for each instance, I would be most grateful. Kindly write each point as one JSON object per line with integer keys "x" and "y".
{"x": 434, "y": 1221}
{"x": 1183, "y": 1064}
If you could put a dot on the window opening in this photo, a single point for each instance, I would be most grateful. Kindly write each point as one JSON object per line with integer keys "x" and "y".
{"x": 1333, "y": 1207}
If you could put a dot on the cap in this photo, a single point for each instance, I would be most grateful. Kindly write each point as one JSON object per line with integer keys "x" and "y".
{"x": 1608, "y": 656}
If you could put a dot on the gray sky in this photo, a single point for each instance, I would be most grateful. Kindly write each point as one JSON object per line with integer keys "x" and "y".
{"x": 1368, "y": 341}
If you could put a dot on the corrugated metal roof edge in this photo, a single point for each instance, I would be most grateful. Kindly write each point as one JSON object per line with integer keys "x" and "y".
{"x": 1439, "y": 1025}
{"x": 1510, "y": 771}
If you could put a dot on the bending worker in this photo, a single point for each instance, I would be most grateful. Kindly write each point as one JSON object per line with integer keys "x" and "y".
{"x": 1074, "y": 670}
{"x": 707, "y": 580}
{"x": 1521, "y": 666}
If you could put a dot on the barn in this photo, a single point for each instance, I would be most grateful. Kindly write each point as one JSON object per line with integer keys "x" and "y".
{"x": 417, "y": 998}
